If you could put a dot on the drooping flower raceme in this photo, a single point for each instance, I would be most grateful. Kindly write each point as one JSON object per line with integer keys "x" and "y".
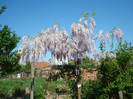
{"x": 62, "y": 46}
{"x": 81, "y": 39}
{"x": 57, "y": 42}
{"x": 118, "y": 33}
{"x": 108, "y": 37}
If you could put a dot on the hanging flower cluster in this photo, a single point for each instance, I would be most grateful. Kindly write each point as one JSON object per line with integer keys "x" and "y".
{"x": 118, "y": 33}
{"x": 57, "y": 42}
{"x": 81, "y": 42}
{"x": 61, "y": 45}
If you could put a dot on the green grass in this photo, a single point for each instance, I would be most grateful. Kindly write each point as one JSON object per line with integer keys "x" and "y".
{"x": 8, "y": 86}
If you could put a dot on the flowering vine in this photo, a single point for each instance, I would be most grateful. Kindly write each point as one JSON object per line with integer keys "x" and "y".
{"x": 81, "y": 40}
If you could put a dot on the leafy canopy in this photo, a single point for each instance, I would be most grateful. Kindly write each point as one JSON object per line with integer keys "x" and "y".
{"x": 8, "y": 58}
{"x": 117, "y": 72}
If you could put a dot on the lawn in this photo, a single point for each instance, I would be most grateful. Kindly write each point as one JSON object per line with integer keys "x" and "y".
{"x": 16, "y": 87}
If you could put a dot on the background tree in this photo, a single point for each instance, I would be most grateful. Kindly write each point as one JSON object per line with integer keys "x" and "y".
{"x": 2, "y": 10}
{"x": 27, "y": 68}
{"x": 8, "y": 57}
{"x": 117, "y": 72}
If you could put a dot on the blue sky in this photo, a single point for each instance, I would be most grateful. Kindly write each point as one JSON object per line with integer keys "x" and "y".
{"x": 31, "y": 16}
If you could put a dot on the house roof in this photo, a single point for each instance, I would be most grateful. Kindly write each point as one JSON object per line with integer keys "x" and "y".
{"x": 41, "y": 65}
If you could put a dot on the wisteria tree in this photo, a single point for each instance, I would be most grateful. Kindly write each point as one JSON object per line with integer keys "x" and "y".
{"x": 81, "y": 41}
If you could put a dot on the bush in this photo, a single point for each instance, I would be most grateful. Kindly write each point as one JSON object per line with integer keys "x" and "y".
{"x": 90, "y": 89}
{"x": 39, "y": 95}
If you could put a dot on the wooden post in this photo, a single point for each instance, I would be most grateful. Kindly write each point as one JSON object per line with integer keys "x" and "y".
{"x": 32, "y": 82}
{"x": 78, "y": 79}
{"x": 79, "y": 91}
{"x": 120, "y": 94}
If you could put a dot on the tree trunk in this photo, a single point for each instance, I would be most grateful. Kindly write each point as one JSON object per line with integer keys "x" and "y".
{"x": 32, "y": 82}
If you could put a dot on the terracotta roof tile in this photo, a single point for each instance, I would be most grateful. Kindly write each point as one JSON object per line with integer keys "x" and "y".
{"x": 41, "y": 65}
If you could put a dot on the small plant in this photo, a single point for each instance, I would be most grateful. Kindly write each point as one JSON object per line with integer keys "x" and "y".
{"x": 39, "y": 95}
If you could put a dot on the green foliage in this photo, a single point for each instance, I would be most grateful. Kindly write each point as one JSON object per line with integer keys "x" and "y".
{"x": 88, "y": 63}
{"x": 18, "y": 91}
{"x": 39, "y": 96}
{"x": 102, "y": 47}
{"x": 117, "y": 72}
{"x": 94, "y": 13}
{"x": 16, "y": 87}
{"x": 67, "y": 72}
{"x": 8, "y": 58}
{"x": 91, "y": 89}
{"x": 26, "y": 68}
{"x": 73, "y": 88}
{"x": 13, "y": 87}
{"x": 3, "y": 9}
{"x": 86, "y": 13}
{"x": 114, "y": 75}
